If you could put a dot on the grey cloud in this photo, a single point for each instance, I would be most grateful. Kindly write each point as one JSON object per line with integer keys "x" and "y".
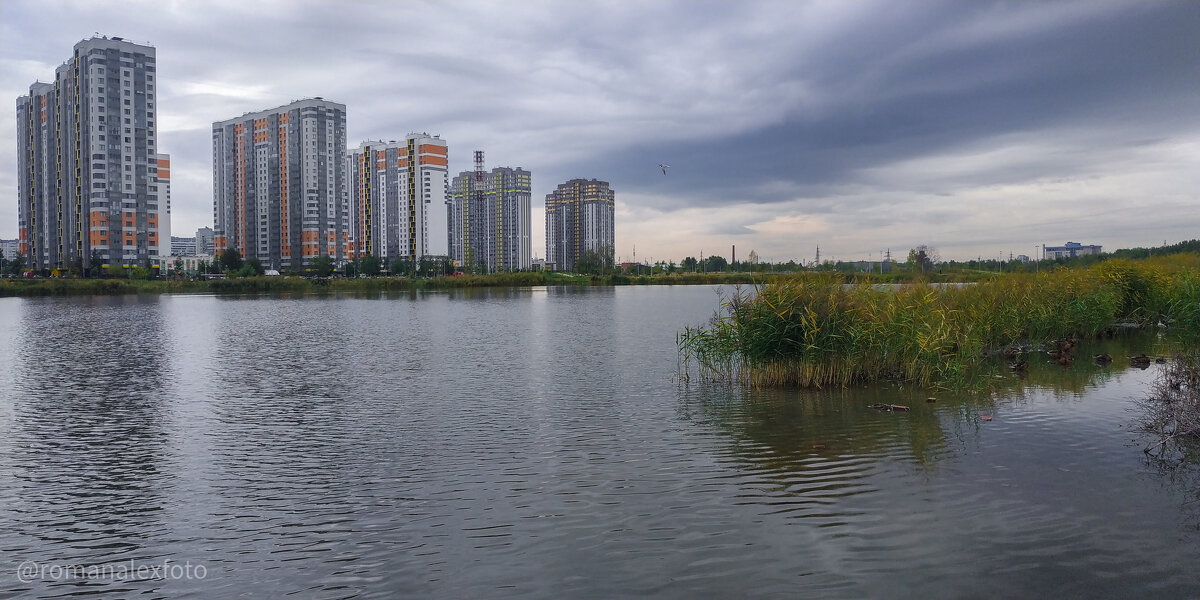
{"x": 819, "y": 107}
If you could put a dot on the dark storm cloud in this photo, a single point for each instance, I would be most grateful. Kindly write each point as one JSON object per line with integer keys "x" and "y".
{"x": 884, "y": 100}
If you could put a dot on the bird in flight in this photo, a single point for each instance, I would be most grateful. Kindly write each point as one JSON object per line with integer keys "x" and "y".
{"x": 664, "y": 168}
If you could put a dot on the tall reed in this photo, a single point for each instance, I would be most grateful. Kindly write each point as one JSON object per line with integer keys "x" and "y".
{"x": 816, "y": 331}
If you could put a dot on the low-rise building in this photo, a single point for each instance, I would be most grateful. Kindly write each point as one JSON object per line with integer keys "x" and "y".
{"x": 10, "y": 248}
{"x": 1071, "y": 249}
{"x": 183, "y": 246}
{"x": 874, "y": 266}
{"x": 190, "y": 264}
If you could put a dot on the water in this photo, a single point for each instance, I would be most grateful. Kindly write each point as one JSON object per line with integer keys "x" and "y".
{"x": 540, "y": 443}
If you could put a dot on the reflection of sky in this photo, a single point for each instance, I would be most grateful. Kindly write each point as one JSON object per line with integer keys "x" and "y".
{"x": 1050, "y": 490}
{"x": 88, "y": 450}
{"x": 542, "y": 441}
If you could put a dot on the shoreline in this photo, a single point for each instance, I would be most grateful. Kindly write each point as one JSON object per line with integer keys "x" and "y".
{"x": 16, "y": 287}
{"x": 262, "y": 284}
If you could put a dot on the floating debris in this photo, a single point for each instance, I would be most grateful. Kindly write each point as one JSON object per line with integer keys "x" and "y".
{"x": 888, "y": 407}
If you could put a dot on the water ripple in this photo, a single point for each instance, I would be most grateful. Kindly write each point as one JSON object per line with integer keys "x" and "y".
{"x": 534, "y": 443}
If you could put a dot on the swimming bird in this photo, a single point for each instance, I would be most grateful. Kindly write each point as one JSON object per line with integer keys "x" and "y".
{"x": 664, "y": 168}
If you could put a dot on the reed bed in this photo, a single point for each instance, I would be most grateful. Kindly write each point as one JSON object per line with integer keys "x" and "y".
{"x": 815, "y": 331}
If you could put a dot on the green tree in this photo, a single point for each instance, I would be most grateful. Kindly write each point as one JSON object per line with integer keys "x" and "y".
{"x": 713, "y": 264}
{"x": 256, "y": 266}
{"x": 690, "y": 263}
{"x": 922, "y": 258}
{"x": 430, "y": 266}
{"x": 231, "y": 259}
{"x": 370, "y": 265}
{"x": 401, "y": 267}
{"x": 589, "y": 263}
{"x": 322, "y": 266}
{"x": 177, "y": 268}
{"x": 95, "y": 264}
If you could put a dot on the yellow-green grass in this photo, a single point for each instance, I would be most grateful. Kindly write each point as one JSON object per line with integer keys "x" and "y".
{"x": 816, "y": 331}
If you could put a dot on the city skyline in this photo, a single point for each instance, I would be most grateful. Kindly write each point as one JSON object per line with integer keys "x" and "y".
{"x": 976, "y": 128}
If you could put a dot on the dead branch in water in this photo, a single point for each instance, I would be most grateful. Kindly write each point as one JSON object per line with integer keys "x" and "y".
{"x": 1171, "y": 414}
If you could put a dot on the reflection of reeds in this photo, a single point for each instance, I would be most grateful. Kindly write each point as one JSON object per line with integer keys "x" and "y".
{"x": 1172, "y": 412}
{"x": 814, "y": 331}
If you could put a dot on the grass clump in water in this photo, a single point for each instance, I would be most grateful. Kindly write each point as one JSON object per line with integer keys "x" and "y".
{"x": 815, "y": 331}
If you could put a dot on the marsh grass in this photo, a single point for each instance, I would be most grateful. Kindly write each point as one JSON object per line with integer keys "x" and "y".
{"x": 816, "y": 331}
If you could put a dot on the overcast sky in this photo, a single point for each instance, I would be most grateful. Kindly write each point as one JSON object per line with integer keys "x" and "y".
{"x": 978, "y": 128}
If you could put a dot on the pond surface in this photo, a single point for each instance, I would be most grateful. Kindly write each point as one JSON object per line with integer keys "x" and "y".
{"x": 541, "y": 443}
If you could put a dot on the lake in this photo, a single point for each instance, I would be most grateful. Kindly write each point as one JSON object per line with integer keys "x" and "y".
{"x": 544, "y": 443}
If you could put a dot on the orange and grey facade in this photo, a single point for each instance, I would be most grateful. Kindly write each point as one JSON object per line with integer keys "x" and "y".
{"x": 397, "y": 201}
{"x": 163, "y": 162}
{"x": 279, "y": 181}
{"x": 579, "y": 216}
{"x": 88, "y": 190}
{"x": 489, "y": 219}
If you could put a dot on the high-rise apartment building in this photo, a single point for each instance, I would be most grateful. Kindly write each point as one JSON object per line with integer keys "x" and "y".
{"x": 279, "y": 180}
{"x": 163, "y": 162}
{"x": 88, "y": 189}
{"x": 398, "y": 199}
{"x": 579, "y": 217}
{"x": 204, "y": 241}
{"x": 489, "y": 219}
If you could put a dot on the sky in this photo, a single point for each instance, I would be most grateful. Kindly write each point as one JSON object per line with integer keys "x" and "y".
{"x": 981, "y": 129}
